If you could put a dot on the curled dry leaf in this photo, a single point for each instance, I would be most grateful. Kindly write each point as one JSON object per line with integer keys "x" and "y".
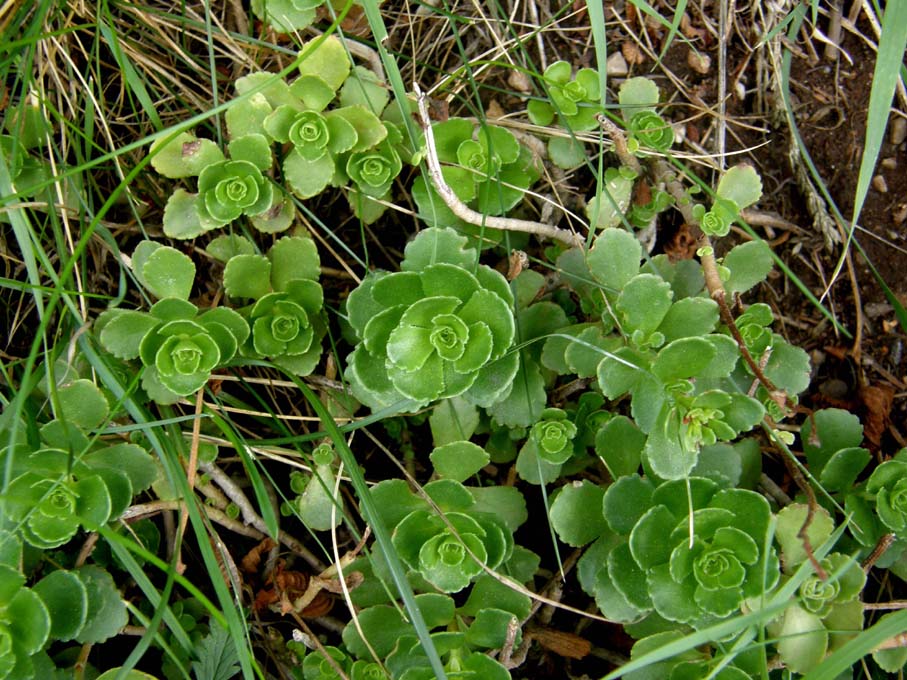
{"x": 877, "y": 399}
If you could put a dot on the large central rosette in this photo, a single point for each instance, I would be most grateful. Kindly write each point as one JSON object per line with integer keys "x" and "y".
{"x": 438, "y": 331}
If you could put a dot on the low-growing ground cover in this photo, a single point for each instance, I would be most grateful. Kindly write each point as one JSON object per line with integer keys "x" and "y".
{"x": 359, "y": 340}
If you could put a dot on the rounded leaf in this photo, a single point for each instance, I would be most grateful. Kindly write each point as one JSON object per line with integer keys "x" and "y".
{"x": 106, "y": 610}
{"x": 459, "y": 460}
{"x": 167, "y": 273}
{"x": 576, "y": 513}
{"x": 184, "y": 155}
{"x": 66, "y": 598}
{"x": 741, "y": 184}
{"x": 82, "y": 403}
{"x": 248, "y": 276}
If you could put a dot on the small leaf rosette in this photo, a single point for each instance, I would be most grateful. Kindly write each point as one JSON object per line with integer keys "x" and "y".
{"x": 553, "y": 435}
{"x": 432, "y": 331}
{"x": 51, "y": 497}
{"x": 575, "y": 100}
{"x": 227, "y": 188}
{"x": 178, "y": 347}
{"x": 487, "y": 168}
{"x": 889, "y": 484}
{"x": 285, "y": 315}
{"x": 448, "y": 552}
{"x": 651, "y": 130}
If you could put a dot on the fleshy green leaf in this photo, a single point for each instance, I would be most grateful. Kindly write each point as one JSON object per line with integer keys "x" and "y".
{"x": 362, "y": 88}
{"x": 749, "y": 264}
{"x": 167, "y": 273}
{"x": 740, "y": 184}
{"x": 181, "y": 216}
{"x": 228, "y": 245}
{"x": 246, "y": 116}
{"x": 620, "y": 444}
{"x": 453, "y": 420}
{"x": 459, "y": 460}
{"x": 803, "y": 640}
{"x": 790, "y": 521}
{"x": 253, "y": 148}
{"x": 106, "y": 609}
{"x": 828, "y": 431}
{"x": 576, "y": 513}
{"x": 566, "y": 152}
{"x": 637, "y": 94}
{"x": 307, "y": 178}
{"x": 82, "y": 403}
{"x": 612, "y": 200}
{"x": 327, "y": 59}
{"x": 683, "y": 358}
{"x": 248, "y": 276}
{"x": 644, "y": 302}
{"x": 27, "y": 621}
{"x": 626, "y": 501}
{"x": 184, "y": 156}
{"x": 369, "y": 128}
{"x": 66, "y": 598}
{"x": 293, "y": 257}
{"x": 614, "y": 258}
{"x": 489, "y": 629}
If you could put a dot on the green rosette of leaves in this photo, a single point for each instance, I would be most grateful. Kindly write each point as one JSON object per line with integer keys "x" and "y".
{"x": 576, "y": 100}
{"x": 178, "y": 346}
{"x": 447, "y": 552}
{"x": 693, "y": 579}
{"x": 287, "y": 300}
{"x": 374, "y": 170}
{"x": 50, "y": 505}
{"x": 888, "y": 483}
{"x": 553, "y": 436}
{"x": 739, "y": 188}
{"x": 227, "y": 189}
{"x": 651, "y": 130}
{"x": 487, "y": 168}
{"x": 827, "y": 611}
{"x": 432, "y": 331}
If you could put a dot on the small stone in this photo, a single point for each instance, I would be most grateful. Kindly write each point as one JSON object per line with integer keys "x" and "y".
{"x": 899, "y": 216}
{"x": 519, "y": 81}
{"x": 494, "y": 110}
{"x": 898, "y": 130}
{"x": 699, "y": 62}
{"x": 617, "y": 65}
{"x": 889, "y": 163}
{"x": 879, "y": 184}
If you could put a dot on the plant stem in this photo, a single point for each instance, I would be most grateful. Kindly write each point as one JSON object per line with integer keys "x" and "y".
{"x": 713, "y": 281}
{"x": 466, "y": 213}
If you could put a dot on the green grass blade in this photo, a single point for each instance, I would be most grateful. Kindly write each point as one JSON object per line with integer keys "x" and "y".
{"x": 251, "y": 467}
{"x": 892, "y": 45}
{"x": 130, "y": 75}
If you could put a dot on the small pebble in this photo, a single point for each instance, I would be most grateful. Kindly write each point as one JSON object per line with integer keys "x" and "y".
{"x": 889, "y": 163}
{"x": 899, "y": 216}
{"x": 519, "y": 81}
{"x": 898, "y": 130}
{"x": 617, "y": 65}
{"x": 879, "y": 184}
{"x": 699, "y": 62}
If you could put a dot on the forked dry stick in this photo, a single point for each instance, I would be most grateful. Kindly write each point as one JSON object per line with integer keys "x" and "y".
{"x": 466, "y": 213}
